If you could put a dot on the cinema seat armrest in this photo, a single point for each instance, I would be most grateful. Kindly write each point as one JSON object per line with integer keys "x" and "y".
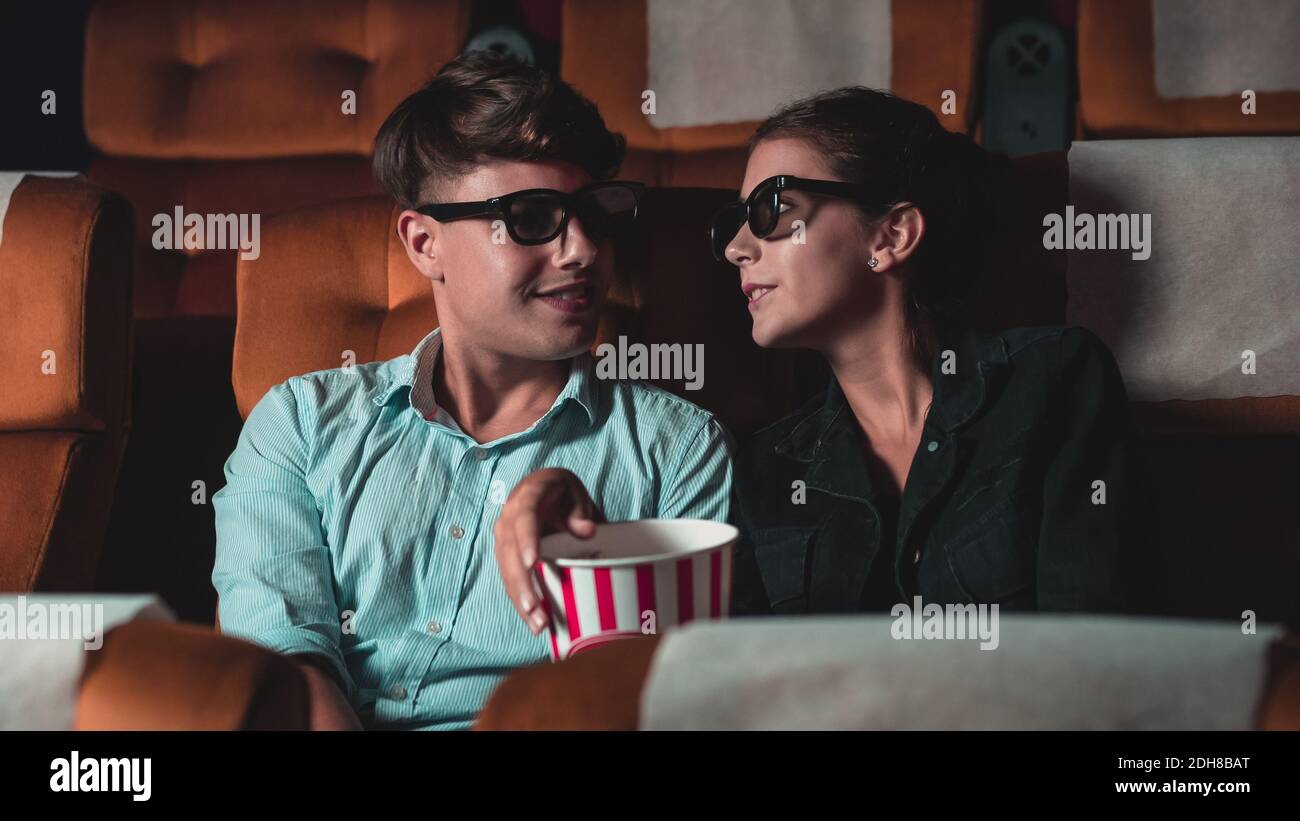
{"x": 158, "y": 675}
{"x": 1280, "y": 706}
{"x": 599, "y": 689}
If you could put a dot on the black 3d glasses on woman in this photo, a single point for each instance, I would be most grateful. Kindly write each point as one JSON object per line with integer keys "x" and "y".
{"x": 535, "y": 216}
{"x": 762, "y": 208}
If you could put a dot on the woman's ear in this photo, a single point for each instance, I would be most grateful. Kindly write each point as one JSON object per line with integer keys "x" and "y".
{"x": 896, "y": 237}
{"x": 418, "y": 235}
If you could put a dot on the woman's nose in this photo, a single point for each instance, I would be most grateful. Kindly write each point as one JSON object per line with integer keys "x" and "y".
{"x": 743, "y": 248}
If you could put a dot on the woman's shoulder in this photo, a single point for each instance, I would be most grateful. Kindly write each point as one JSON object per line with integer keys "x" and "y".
{"x": 1058, "y": 348}
{"x": 1024, "y": 336}
{"x": 1050, "y": 364}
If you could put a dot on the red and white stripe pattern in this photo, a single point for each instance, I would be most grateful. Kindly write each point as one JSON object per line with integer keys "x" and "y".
{"x": 589, "y": 605}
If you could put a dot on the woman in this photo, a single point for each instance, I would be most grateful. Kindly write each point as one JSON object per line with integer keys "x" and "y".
{"x": 940, "y": 462}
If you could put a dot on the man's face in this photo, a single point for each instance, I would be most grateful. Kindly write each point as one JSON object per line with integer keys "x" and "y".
{"x": 496, "y": 295}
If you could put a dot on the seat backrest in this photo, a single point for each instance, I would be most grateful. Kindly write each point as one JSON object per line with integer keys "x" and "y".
{"x": 1202, "y": 324}
{"x": 1180, "y": 68}
{"x": 215, "y": 110}
{"x": 609, "y": 49}
{"x": 65, "y": 328}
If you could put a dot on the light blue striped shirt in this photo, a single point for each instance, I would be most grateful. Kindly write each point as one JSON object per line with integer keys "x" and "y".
{"x": 356, "y": 522}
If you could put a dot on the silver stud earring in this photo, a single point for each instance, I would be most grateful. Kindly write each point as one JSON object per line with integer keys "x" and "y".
{"x": 873, "y": 262}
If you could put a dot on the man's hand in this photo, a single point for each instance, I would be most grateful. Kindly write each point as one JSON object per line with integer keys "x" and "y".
{"x": 551, "y": 500}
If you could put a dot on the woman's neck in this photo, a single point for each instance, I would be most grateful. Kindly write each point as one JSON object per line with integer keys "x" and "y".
{"x": 884, "y": 380}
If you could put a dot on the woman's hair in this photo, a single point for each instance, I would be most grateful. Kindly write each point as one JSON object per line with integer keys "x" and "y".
{"x": 486, "y": 106}
{"x": 899, "y": 149}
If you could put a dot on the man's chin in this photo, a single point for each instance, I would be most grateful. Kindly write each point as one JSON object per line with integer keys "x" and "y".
{"x": 567, "y": 346}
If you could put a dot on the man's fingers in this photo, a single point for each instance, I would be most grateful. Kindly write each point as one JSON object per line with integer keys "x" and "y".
{"x": 537, "y": 620}
{"x": 548, "y": 502}
{"x": 513, "y": 573}
{"x": 583, "y": 513}
{"x": 579, "y": 525}
{"x": 527, "y": 530}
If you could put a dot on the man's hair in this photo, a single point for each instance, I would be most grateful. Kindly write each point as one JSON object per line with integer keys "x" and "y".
{"x": 486, "y": 106}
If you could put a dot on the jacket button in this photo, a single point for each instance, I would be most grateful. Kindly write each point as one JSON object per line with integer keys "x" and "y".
{"x": 933, "y": 446}
{"x": 916, "y": 557}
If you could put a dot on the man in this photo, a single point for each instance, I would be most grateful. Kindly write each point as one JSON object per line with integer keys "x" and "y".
{"x": 356, "y": 528}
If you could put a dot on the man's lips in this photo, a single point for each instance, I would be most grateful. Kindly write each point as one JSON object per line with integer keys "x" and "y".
{"x": 571, "y": 299}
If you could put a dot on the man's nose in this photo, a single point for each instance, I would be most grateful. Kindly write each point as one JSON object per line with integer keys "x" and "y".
{"x": 576, "y": 248}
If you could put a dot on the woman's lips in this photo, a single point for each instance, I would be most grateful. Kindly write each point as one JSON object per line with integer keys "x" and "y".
{"x": 758, "y": 295}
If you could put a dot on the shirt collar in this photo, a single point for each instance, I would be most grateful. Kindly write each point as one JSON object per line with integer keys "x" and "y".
{"x": 957, "y": 396}
{"x": 414, "y": 372}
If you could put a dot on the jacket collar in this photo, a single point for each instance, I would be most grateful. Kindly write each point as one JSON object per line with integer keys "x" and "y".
{"x": 958, "y": 396}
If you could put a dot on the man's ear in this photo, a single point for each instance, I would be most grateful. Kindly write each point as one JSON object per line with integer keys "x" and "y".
{"x": 419, "y": 236}
{"x": 897, "y": 236}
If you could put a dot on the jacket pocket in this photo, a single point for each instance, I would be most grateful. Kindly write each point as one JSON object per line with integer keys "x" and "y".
{"x": 987, "y": 479}
{"x": 1003, "y": 467}
{"x": 993, "y": 557}
{"x": 782, "y": 557}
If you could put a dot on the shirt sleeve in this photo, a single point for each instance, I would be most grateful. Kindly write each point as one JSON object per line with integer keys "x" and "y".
{"x": 273, "y": 572}
{"x": 1090, "y": 551}
{"x": 699, "y": 484}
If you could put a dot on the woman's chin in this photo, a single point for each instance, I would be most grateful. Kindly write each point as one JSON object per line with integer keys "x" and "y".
{"x": 765, "y": 337}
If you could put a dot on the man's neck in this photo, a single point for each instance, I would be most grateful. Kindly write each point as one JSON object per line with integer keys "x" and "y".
{"x": 491, "y": 395}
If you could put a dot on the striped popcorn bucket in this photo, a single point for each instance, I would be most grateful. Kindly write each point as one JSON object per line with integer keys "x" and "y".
{"x": 633, "y": 579}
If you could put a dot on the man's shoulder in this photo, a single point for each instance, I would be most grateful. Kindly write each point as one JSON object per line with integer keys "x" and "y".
{"x": 644, "y": 398}
{"x": 659, "y": 420}
{"x": 323, "y": 393}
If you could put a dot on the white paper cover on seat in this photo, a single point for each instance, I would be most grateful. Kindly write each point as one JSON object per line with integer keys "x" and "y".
{"x": 1213, "y": 48}
{"x": 9, "y": 182}
{"x": 1222, "y": 276}
{"x": 727, "y": 61}
{"x": 39, "y": 677}
{"x": 1047, "y": 672}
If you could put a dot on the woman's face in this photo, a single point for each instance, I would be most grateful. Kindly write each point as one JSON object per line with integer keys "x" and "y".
{"x": 814, "y": 265}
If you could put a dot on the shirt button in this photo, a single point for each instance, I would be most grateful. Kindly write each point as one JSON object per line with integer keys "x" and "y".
{"x": 933, "y": 446}
{"x": 397, "y": 692}
{"x": 480, "y": 454}
{"x": 433, "y": 627}
{"x": 457, "y": 531}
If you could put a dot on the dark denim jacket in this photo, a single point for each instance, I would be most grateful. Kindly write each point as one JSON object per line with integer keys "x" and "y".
{"x": 999, "y": 501}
